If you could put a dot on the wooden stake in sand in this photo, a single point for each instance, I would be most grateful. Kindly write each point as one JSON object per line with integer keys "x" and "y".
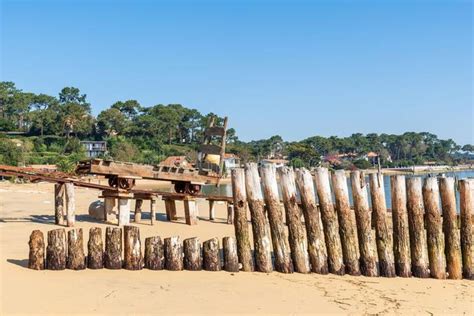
{"x": 56, "y": 250}
{"x": 70, "y": 204}
{"x": 347, "y": 227}
{"x": 173, "y": 254}
{"x": 231, "y": 260}
{"x": 466, "y": 192}
{"x": 318, "y": 256}
{"x": 113, "y": 248}
{"x": 450, "y": 228}
{"x": 76, "y": 259}
{"x": 153, "y": 210}
{"x": 384, "y": 244}
{"x": 192, "y": 254}
{"x": 240, "y": 220}
{"x": 433, "y": 229}
{"x": 95, "y": 246}
{"x": 230, "y": 214}
{"x": 133, "y": 259}
{"x": 261, "y": 238}
{"x": 368, "y": 257}
{"x": 330, "y": 223}
{"x": 401, "y": 234}
{"x": 154, "y": 253}
{"x": 59, "y": 203}
{"x": 210, "y": 255}
{"x": 190, "y": 211}
{"x": 296, "y": 230}
{"x": 124, "y": 212}
{"x": 281, "y": 248}
{"x": 36, "y": 255}
{"x": 415, "y": 207}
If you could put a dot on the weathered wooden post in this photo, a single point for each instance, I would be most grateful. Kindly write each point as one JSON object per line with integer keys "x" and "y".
{"x": 173, "y": 254}
{"x": 212, "y": 210}
{"x": 231, "y": 260}
{"x": 70, "y": 204}
{"x": 124, "y": 211}
{"x": 56, "y": 250}
{"x": 76, "y": 259}
{"x": 36, "y": 255}
{"x": 240, "y": 221}
{"x": 133, "y": 259}
{"x": 347, "y": 227}
{"x": 59, "y": 203}
{"x": 170, "y": 207}
{"x": 368, "y": 258}
{"x": 138, "y": 210}
{"x": 154, "y": 253}
{"x": 210, "y": 255}
{"x": 318, "y": 256}
{"x": 153, "y": 210}
{"x": 450, "y": 228}
{"x": 466, "y": 191}
{"x": 261, "y": 238}
{"x": 296, "y": 230}
{"x": 190, "y": 211}
{"x": 379, "y": 207}
{"x": 330, "y": 223}
{"x": 192, "y": 254}
{"x": 281, "y": 248}
{"x": 109, "y": 205}
{"x": 230, "y": 213}
{"x": 419, "y": 261}
{"x": 433, "y": 229}
{"x": 401, "y": 234}
{"x": 113, "y": 248}
{"x": 95, "y": 249}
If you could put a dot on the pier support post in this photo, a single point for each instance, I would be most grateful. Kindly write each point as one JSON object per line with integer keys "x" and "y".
{"x": 231, "y": 260}
{"x": 466, "y": 193}
{"x": 230, "y": 214}
{"x": 212, "y": 210}
{"x": 109, "y": 214}
{"x": 138, "y": 210}
{"x": 153, "y": 210}
{"x": 59, "y": 203}
{"x": 113, "y": 248}
{"x": 173, "y": 254}
{"x": 170, "y": 207}
{"x": 70, "y": 204}
{"x": 190, "y": 211}
{"x": 124, "y": 211}
{"x": 75, "y": 251}
{"x": 95, "y": 247}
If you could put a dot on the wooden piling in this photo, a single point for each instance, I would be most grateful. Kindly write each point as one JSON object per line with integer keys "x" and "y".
{"x": 133, "y": 259}
{"x": 36, "y": 255}
{"x": 415, "y": 207}
{"x": 192, "y": 254}
{"x": 212, "y": 210}
{"x": 347, "y": 227}
{"x": 154, "y": 253}
{"x": 379, "y": 208}
{"x": 450, "y": 228}
{"x": 170, "y": 207}
{"x": 59, "y": 203}
{"x": 281, "y": 248}
{"x": 124, "y": 212}
{"x": 240, "y": 221}
{"x": 296, "y": 230}
{"x": 466, "y": 192}
{"x": 109, "y": 214}
{"x": 153, "y": 211}
{"x": 330, "y": 223}
{"x": 231, "y": 260}
{"x": 363, "y": 216}
{"x": 210, "y": 255}
{"x": 113, "y": 248}
{"x": 138, "y": 210}
{"x": 95, "y": 249}
{"x": 401, "y": 234}
{"x": 76, "y": 259}
{"x": 70, "y": 204}
{"x": 261, "y": 238}
{"x": 190, "y": 211}
{"x": 318, "y": 256}
{"x": 56, "y": 250}
{"x": 230, "y": 213}
{"x": 433, "y": 229}
{"x": 173, "y": 254}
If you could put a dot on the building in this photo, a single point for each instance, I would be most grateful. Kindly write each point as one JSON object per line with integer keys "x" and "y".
{"x": 94, "y": 148}
{"x": 277, "y": 162}
{"x": 231, "y": 161}
{"x": 175, "y": 161}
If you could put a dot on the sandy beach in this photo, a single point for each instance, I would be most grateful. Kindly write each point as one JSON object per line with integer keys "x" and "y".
{"x": 25, "y": 207}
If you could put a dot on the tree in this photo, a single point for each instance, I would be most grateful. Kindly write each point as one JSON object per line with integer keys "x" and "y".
{"x": 129, "y": 108}
{"x": 75, "y": 110}
{"x": 112, "y": 122}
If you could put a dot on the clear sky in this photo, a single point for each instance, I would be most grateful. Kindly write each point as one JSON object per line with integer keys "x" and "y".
{"x": 292, "y": 68}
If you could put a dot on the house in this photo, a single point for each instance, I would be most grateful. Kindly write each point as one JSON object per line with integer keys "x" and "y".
{"x": 94, "y": 148}
{"x": 175, "y": 161}
{"x": 231, "y": 161}
{"x": 276, "y": 162}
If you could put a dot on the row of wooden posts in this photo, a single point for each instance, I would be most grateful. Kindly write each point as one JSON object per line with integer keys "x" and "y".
{"x": 330, "y": 237}
{"x": 169, "y": 254}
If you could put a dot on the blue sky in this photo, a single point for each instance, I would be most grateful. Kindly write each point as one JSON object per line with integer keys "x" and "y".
{"x": 292, "y": 68}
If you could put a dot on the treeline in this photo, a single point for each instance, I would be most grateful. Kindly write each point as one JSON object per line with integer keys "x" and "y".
{"x": 52, "y": 127}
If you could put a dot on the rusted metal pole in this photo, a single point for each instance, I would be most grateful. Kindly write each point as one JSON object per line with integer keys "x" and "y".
{"x": 450, "y": 228}
{"x": 318, "y": 255}
{"x": 347, "y": 227}
{"x": 368, "y": 257}
{"x": 466, "y": 193}
{"x": 330, "y": 223}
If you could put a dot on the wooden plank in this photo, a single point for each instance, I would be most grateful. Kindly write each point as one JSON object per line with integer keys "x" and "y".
{"x": 214, "y": 131}
{"x": 210, "y": 149}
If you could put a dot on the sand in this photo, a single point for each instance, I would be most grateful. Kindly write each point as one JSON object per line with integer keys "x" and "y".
{"x": 24, "y": 207}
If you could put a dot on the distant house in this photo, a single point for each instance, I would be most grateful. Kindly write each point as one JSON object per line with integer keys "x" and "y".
{"x": 175, "y": 161}
{"x": 231, "y": 161}
{"x": 94, "y": 148}
{"x": 276, "y": 162}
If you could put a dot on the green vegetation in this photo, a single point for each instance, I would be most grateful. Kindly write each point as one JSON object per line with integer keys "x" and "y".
{"x": 43, "y": 129}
